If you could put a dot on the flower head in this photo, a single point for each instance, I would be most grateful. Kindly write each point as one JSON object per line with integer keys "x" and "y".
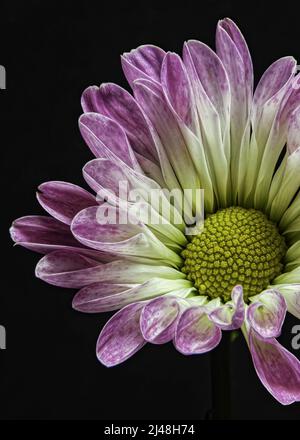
{"x": 192, "y": 123}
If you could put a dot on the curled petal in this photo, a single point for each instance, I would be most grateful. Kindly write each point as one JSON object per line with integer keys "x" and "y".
{"x": 230, "y": 316}
{"x": 291, "y": 294}
{"x": 159, "y": 319}
{"x": 63, "y": 200}
{"x": 121, "y": 336}
{"x": 144, "y": 62}
{"x": 195, "y": 333}
{"x": 277, "y": 368}
{"x": 266, "y": 314}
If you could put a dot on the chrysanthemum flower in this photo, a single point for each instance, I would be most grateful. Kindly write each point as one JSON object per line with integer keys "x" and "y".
{"x": 192, "y": 122}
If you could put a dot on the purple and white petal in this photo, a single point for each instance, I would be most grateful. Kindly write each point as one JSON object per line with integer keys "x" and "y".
{"x": 291, "y": 294}
{"x": 277, "y": 368}
{"x": 106, "y": 138}
{"x": 268, "y": 95}
{"x": 277, "y": 140}
{"x": 233, "y": 51}
{"x": 109, "y": 229}
{"x": 36, "y": 232}
{"x": 102, "y": 297}
{"x": 73, "y": 270}
{"x": 195, "y": 332}
{"x": 285, "y": 188}
{"x": 177, "y": 89}
{"x": 144, "y": 62}
{"x": 66, "y": 269}
{"x": 164, "y": 123}
{"x": 266, "y": 313}
{"x": 212, "y": 99}
{"x": 90, "y": 102}
{"x": 293, "y": 135}
{"x": 119, "y": 105}
{"x": 136, "y": 197}
{"x": 230, "y": 316}
{"x": 209, "y": 79}
{"x": 159, "y": 319}
{"x": 121, "y": 336}
{"x": 64, "y": 200}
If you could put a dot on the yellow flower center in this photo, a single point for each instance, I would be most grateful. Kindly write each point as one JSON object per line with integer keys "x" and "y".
{"x": 237, "y": 246}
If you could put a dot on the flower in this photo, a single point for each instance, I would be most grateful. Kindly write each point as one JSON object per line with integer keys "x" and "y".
{"x": 191, "y": 123}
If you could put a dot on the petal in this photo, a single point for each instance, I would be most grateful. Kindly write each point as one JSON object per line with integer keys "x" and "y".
{"x": 230, "y": 316}
{"x": 195, "y": 333}
{"x": 168, "y": 131}
{"x": 292, "y": 277}
{"x": 209, "y": 77}
{"x": 287, "y": 187}
{"x": 293, "y": 252}
{"x": 143, "y": 62}
{"x": 293, "y": 136}
{"x": 63, "y": 200}
{"x": 123, "y": 185}
{"x": 117, "y": 104}
{"x": 212, "y": 98}
{"x": 118, "y": 235}
{"x": 233, "y": 51}
{"x": 177, "y": 88}
{"x": 267, "y": 312}
{"x": 36, "y": 232}
{"x": 291, "y": 214}
{"x": 239, "y": 41}
{"x": 106, "y": 138}
{"x": 46, "y": 234}
{"x": 276, "y": 141}
{"x": 159, "y": 319}
{"x": 277, "y": 368}
{"x": 291, "y": 294}
{"x": 121, "y": 336}
{"x": 103, "y": 297}
{"x": 268, "y": 95}
{"x": 90, "y": 100}
{"x": 65, "y": 269}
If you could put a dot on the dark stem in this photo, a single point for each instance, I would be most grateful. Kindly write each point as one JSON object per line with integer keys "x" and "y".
{"x": 221, "y": 379}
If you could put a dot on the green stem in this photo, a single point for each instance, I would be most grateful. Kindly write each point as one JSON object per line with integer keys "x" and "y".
{"x": 221, "y": 379}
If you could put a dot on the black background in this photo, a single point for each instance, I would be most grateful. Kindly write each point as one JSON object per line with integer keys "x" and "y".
{"x": 52, "y": 51}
